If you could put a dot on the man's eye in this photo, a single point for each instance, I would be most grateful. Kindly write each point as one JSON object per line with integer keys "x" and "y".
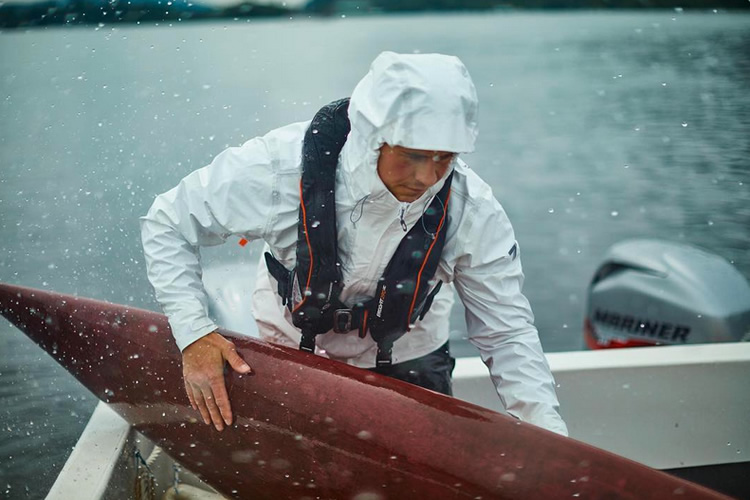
{"x": 416, "y": 157}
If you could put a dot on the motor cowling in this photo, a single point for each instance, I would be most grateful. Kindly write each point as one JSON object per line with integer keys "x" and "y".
{"x": 653, "y": 292}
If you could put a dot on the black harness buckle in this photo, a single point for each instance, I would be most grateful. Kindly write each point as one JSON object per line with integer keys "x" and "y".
{"x": 384, "y": 356}
{"x": 342, "y": 320}
{"x": 307, "y": 343}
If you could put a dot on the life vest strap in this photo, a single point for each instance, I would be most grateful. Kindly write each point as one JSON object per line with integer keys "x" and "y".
{"x": 429, "y": 299}
{"x": 283, "y": 277}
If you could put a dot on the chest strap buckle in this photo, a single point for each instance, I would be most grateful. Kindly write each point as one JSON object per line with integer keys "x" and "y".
{"x": 342, "y": 320}
{"x": 346, "y": 320}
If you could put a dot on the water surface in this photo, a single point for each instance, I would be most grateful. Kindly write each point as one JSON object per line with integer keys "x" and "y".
{"x": 595, "y": 127}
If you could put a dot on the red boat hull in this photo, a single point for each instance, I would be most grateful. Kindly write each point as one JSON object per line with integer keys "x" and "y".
{"x": 309, "y": 427}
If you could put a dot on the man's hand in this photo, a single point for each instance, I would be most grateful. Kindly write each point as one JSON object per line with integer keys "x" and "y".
{"x": 203, "y": 371}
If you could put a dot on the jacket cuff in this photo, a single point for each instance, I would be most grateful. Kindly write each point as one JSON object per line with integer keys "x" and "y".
{"x": 187, "y": 334}
{"x": 542, "y": 415}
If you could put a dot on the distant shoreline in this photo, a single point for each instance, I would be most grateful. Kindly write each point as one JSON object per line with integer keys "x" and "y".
{"x": 87, "y": 12}
{"x": 78, "y": 12}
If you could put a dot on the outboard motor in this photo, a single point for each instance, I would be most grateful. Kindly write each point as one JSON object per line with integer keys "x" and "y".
{"x": 652, "y": 292}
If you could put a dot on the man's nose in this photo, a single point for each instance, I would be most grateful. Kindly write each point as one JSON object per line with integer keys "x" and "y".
{"x": 427, "y": 173}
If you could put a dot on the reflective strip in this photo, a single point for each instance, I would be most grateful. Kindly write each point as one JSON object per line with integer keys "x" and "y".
{"x": 424, "y": 262}
{"x": 309, "y": 249}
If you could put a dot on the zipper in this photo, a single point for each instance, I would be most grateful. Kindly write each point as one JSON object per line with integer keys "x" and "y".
{"x": 358, "y": 286}
{"x": 401, "y": 216}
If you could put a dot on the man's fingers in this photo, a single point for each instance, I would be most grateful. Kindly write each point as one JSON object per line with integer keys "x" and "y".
{"x": 236, "y": 361}
{"x": 201, "y": 404}
{"x": 213, "y": 410}
{"x": 190, "y": 396}
{"x": 222, "y": 399}
{"x": 203, "y": 370}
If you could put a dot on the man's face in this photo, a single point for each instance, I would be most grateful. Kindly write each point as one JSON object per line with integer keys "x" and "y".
{"x": 408, "y": 173}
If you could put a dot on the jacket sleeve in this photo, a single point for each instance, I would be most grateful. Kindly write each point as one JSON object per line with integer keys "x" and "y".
{"x": 232, "y": 195}
{"x": 499, "y": 320}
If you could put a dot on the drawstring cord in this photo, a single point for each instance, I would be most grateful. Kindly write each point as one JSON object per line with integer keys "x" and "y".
{"x": 427, "y": 205}
{"x": 361, "y": 205}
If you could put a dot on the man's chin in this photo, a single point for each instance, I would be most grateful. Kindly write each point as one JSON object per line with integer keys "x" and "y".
{"x": 410, "y": 195}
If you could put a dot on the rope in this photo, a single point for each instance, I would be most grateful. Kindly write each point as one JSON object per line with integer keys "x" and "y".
{"x": 145, "y": 481}
{"x": 176, "y": 478}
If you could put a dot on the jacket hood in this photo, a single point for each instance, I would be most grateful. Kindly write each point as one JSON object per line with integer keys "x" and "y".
{"x": 419, "y": 101}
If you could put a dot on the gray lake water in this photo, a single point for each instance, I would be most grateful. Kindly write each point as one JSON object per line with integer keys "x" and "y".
{"x": 595, "y": 127}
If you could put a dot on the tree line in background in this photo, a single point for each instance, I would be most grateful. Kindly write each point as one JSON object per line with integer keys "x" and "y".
{"x": 329, "y": 7}
{"x": 73, "y": 12}
{"x": 395, "y": 5}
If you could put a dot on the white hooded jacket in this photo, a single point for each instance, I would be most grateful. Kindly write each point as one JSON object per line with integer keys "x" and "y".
{"x": 416, "y": 101}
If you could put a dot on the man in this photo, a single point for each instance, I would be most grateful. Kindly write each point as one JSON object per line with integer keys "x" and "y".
{"x": 398, "y": 181}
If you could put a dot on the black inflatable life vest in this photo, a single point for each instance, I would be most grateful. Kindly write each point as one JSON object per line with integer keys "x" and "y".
{"x": 312, "y": 289}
